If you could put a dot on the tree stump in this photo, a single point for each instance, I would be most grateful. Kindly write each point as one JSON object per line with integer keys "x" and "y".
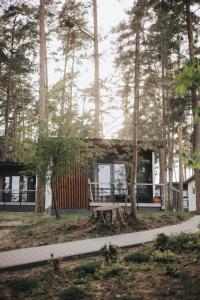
{"x": 110, "y": 216}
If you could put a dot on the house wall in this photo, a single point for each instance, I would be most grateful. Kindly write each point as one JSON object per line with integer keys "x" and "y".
{"x": 72, "y": 192}
{"x": 191, "y": 196}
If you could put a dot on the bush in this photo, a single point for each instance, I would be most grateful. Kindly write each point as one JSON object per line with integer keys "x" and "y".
{"x": 23, "y": 285}
{"x": 88, "y": 269}
{"x": 73, "y": 293}
{"x": 161, "y": 242}
{"x": 55, "y": 262}
{"x": 117, "y": 271}
{"x": 163, "y": 256}
{"x": 180, "y": 216}
{"x": 138, "y": 257}
{"x": 174, "y": 272}
{"x": 110, "y": 253}
{"x": 178, "y": 243}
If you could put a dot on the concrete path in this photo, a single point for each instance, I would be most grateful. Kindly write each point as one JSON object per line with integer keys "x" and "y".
{"x": 38, "y": 255}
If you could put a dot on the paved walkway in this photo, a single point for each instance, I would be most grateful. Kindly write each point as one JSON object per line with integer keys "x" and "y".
{"x": 38, "y": 255}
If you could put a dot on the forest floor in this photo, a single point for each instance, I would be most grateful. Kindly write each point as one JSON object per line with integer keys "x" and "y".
{"x": 22, "y": 230}
{"x": 160, "y": 270}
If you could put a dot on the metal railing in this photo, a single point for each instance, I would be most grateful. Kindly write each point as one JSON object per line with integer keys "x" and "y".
{"x": 145, "y": 193}
{"x": 16, "y": 196}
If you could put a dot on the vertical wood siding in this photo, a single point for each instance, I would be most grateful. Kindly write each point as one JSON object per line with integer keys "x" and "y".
{"x": 72, "y": 192}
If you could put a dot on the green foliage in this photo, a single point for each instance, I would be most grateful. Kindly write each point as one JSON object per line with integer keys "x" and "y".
{"x": 161, "y": 242}
{"x": 23, "y": 284}
{"x": 73, "y": 293}
{"x": 114, "y": 272}
{"x": 88, "y": 269}
{"x": 192, "y": 160}
{"x": 163, "y": 257}
{"x": 55, "y": 154}
{"x": 55, "y": 262}
{"x": 178, "y": 243}
{"x": 174, "y": 272}
{"x": 190, "y": 76}
{"x": 138, "y": 257}
{"x": 110, "y": 253}
{"x": 180, "y": 216}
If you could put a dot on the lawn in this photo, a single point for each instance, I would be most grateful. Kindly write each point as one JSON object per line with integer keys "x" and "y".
{"x": 29, "y": 229}
{"x": 166, "y": 269}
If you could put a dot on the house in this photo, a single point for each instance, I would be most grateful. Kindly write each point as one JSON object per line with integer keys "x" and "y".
{"x": 191, "y": 193}
{"x": 105, "y": 180}
{"x": 17, "y": 192}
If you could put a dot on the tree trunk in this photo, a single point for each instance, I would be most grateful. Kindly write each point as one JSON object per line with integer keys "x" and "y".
{"x": 53, "y": 198}
{"x": 71, "y": 86}
{"x": 135, "y": 124}
{"x": 165, "y": 122}
{"x": 170, "y": 160}
{"x": 43, "y": 77}
{"x": 40, "y": 197}
{"x": 40, "y": 200}
{"x": 97, "y": 83}
{"x": 180, "y": 198}
{"x": 162, "y": 177}
{"x": 195, "y": 105}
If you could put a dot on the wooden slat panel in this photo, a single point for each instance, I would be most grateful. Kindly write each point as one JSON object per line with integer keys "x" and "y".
{"x": 72, "y": 192}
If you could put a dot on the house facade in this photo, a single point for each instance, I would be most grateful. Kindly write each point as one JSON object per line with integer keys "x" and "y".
{"x": 191, "y": 193}
{"x": 106, "y": 179}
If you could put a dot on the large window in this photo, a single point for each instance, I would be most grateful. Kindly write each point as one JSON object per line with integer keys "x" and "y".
{"x": 17, "y": 188}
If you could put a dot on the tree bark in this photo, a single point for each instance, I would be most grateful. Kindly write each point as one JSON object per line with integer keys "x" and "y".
{"x": 135, "y": 124}
{"x": 164, "y": 116}
{"x": 40, "y": 199}
{"x": 195, "y": 105}
{"x": 97, "y": 83}
{"x": 43, "y": 77}
{"x": 180, "y": 198}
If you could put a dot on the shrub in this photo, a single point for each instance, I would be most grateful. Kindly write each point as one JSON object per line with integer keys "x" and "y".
{"x": 73, "y": 293}
{"x": 88, "y": 269}
{"x": 174, "y": 272}
{"x": 161, "y": 241}
{"x": 55, "y": 262}
{"x": 116, "y": 271}
{"x": 180, "y": 216}
{"x": 23, "y": 285}
{"x": 138, "y": 257}
{"x": 110, "y": 253}
{"x": 163, "y": 256}
{"x": 178, "y": 243}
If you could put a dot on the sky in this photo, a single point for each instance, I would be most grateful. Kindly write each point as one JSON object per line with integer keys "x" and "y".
{"x": 110, "y": 13}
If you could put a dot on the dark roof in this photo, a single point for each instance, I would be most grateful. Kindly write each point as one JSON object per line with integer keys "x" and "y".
{"x": 189, "y": 180}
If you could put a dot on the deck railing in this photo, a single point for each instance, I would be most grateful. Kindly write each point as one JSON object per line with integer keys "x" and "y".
{"x": 16, "y": 196}
{"x": 145, "y": 193}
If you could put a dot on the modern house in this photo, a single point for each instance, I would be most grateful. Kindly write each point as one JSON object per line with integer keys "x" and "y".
{"x": 105, "y": 180}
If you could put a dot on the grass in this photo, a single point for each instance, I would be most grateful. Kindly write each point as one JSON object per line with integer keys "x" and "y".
{"x": 42, "y": 229}
{"x": 23, "y": 285}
